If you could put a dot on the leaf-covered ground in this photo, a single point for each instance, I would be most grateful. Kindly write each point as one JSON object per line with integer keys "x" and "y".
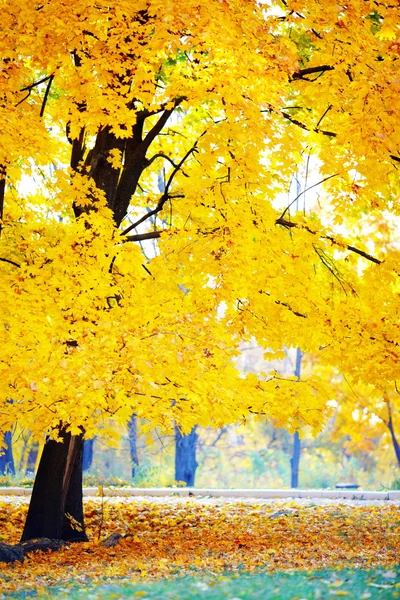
{"x": 195, "y": 537}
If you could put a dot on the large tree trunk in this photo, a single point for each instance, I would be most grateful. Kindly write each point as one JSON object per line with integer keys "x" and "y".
{"x": 132, "y": 434}
{"x": 7, "y": 466}
{"x": 185, "y": 456}
{"x": 56, "y": 507}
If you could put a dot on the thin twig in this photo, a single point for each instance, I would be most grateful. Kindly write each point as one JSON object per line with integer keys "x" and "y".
{"x": 327, "y": 110}
{"x": 11, "y": 262}
{"x": 306, "y": 190}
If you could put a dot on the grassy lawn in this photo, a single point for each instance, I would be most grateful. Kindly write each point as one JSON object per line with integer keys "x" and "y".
{"x": 293, "y": 585}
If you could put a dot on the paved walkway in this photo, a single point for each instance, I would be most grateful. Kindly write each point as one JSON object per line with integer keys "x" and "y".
{"x": 217, "y": 496}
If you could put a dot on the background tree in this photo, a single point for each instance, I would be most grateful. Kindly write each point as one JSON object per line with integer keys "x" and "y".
{"x": 295, "y": 460}
{"x": 185, "y": 456}
{"x": 133, "y": 451}
{"x": 7, "y": 466}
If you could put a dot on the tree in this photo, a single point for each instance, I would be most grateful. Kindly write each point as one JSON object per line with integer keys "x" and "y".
{"x": 7, "y": 466}
{"x": 295, "y": 459}
{"x": 225, "y": 99}
{"x": 365, "y": 414}
{"x": 32, "y": 458}
{"x": 185, "y": 456}
{"x": 87, "y": 457}
{"x": 132, "y": 435}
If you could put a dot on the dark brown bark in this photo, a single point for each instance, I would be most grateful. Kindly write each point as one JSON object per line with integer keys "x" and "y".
{"x": 57, "y": 492}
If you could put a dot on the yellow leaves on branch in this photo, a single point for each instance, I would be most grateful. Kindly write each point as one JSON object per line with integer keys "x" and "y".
{"x": 184, "y": 123}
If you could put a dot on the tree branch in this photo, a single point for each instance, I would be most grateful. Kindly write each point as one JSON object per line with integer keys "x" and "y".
{"x": 46, "y": 95}
{"x": 166, "y": 157}
{"x": 323, "y": 131}
{"x": 290, "y": 224}
{"x": 139, "y": 237}
{"x": 11, "y": 262}
{"x": 30, "y": 87}
{"x": 155, "y": 130}
{"x": 323, "y": 116}
{"x": 316, "y": 129}
{"x": 300, "y": 74}
{"x": 166, "y": 195}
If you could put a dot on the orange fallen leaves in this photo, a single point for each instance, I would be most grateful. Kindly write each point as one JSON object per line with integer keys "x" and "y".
{"x": 185, "y": 536}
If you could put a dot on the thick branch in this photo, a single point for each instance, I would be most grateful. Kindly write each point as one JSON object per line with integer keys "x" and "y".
{"x": 46, "y": 95}
{"x": 285, "y": 304}
{"x": 291, "y": 224}
{"x": 166, "y": 195}
{"x": 140, "y": 237}
{"x": 301, "y": 73}
{"x": 155, "y": 130}
{"x": 135, "y": 160}
{"x": 144, "y": 114}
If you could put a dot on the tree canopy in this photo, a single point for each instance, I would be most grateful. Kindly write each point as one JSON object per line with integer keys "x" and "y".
{"x": 143, "y": 149}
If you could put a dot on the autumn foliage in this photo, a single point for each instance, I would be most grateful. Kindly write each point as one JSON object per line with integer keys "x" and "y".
{"x": 143, "y": 147}
{"x": 175, "y": 537}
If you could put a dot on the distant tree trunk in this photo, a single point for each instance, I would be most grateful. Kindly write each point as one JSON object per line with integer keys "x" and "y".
{"x": 185, "y": 456}
{"x": 87, "y": 458}
{"x": 295, "y": 460}
{"x": 7, "y": 466}
{"x": 132, "y": 434}
{"x": 32, "y": 458}
{"x": 56, "y": 508}
{"x": 395, "y": 441}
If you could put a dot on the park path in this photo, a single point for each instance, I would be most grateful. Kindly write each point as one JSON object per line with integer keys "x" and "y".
{"x": 216, "y": 497}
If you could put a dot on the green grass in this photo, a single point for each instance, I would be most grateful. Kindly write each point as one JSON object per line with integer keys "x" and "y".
{"x": 295, "y": 585}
